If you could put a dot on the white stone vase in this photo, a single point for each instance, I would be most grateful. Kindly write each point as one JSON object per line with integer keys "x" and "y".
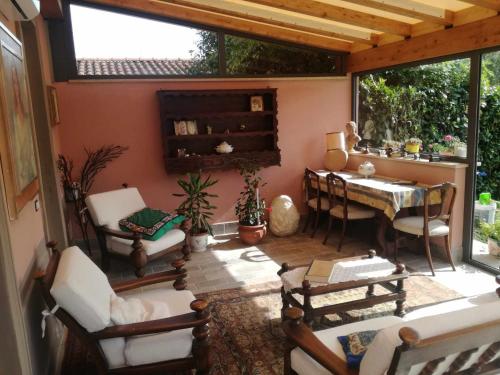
{"x": 198, "y": 242}
{"x": 284, "y": 217}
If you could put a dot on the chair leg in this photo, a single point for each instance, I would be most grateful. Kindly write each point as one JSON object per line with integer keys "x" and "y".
{"x": 316, "y": 223}
{"x": 330, "y": 222}
{"x": 344, "y": 229}
{"x": 448, "y": 251}
{"x": 428, "y": 253}
{"x": 309, "y": 210}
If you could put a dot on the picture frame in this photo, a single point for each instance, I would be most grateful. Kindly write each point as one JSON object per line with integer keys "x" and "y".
{"x": 53, "y": 105}
{"x": 256, "y": 103}
{"x": 17, "y": 144}
{"x": 192, "y": 127}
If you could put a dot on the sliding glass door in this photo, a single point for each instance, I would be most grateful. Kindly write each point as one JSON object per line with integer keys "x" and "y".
{"x": 485, "y": 247}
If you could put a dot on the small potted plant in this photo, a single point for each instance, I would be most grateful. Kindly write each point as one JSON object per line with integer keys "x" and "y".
{"x": 250, "y": 207}
{"x": 197, "y": 208}
{"x": 492, "y": 233}
{"x": 412, "y": 145}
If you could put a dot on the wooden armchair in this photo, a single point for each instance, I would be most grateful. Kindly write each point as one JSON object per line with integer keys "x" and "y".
{"x": 465, "y": 341}
{"x": 179, "y": 342}
{"x": 315, "y": 200}
{"x": 107, "y": 209}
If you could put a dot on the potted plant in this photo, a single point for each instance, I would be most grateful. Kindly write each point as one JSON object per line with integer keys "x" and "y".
{"x": 412, "y": 145}
{"x": 197, "y": 208}
{"x": 250, "y": 208}
{"x": 492, "y": 233}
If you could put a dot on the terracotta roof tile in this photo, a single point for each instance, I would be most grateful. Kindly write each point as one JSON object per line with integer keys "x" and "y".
{"x": 132, "y": 67}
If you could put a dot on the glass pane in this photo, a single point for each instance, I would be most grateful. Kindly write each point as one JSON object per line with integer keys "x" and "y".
{"x": 428, "y": 102}
{"x": 109, "y": 43}
{"x": 486, "y": 213}
{"x": 248, "y": 57}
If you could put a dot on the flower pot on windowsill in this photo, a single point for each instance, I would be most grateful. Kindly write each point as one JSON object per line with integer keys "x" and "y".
{"x": 460, "y": 151}
{"x": 494, "y": 247}
{"x": 412, "y": 148}
{"x": 252, "y": 234}
{"x": 446, "y": 152}
{"x": 198, "y": 242}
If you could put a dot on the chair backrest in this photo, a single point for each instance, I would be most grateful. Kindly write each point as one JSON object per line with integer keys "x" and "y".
{"x": 110, "y": 207}
{"x": 447, "y": 192}
{"x": 312, "y": 187}
{"x": 333, "y": 183}
{"x": 55, "y": 291}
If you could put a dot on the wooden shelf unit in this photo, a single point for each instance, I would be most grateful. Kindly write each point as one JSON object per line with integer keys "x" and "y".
{"x": 224, "y": 111}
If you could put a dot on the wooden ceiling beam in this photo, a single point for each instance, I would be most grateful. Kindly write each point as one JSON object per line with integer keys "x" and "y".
{"x": 161, "y": 8}
{"x": 468, "y": 37}
{"x": 340, "y": 14}
{"x": 488, "y": 4}
{"x": 245, "y": 13}
{"x": 411, "y": 9}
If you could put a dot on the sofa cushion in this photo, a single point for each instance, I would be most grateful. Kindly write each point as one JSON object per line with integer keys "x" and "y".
{"x": 151, "y": 223}
{"x": 110, "y": 207}
{"x": 136, "y": 310}
{"x": 124, "y": 247}
{"x": 83, "y": 290}
{"x": 303, "y": 364}
{"x": 114, "y": 351}
{"x": 379, "y": 354}
{"x": 355, "y": 345}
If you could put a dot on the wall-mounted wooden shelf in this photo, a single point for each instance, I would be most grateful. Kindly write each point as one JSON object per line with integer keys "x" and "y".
{"x": 225, "y": 112}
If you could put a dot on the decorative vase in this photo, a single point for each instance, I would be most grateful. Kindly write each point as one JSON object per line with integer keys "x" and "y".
{"x": 252, "y": 234}
{"x": 198, "y": 242}
{"x": 284, "y": 217}
{"x": 366, "y": 169}
{"x": 460, "y": 151}
{"x": 493, "y": 247}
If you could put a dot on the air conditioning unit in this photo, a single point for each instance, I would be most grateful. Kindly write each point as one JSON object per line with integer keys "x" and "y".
{"x": 20, "y": 10}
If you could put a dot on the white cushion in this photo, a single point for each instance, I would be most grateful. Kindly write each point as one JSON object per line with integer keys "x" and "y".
{"x": 324, "y": 203}
{"x": 415, "y": 225}
{"x": 110, "y": 207}
{"x": 163, "y": 346}
{"x": 303, "y": 364}
{"x": 380, "y": 352}
{"x": 83, "y": 290}
{"x": 354, "y": 212}
{"x": 124, "y": 247}
{"x": 136, "y": 310}
{"x": 114, "y": 351}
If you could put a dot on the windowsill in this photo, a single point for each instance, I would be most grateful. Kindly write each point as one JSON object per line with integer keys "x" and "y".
{"x": 440, "y": 164}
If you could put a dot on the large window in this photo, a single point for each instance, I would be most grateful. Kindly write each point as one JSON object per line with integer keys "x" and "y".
{"x": 429, "y": 102}
{"x": 106, "y": 43}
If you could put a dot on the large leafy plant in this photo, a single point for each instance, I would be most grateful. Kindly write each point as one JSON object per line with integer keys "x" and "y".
{"x": 490, "y": 230}
{"x": 196, "y": 205}
{"x": 249, "y": 206}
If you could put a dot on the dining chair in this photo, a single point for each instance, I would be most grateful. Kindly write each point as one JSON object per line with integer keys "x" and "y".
{"x": 340, "y": 208}
{"x": 428, "y": 226}
{"x": 316, "y": 202}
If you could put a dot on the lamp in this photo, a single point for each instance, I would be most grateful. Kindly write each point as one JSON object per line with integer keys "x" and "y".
{"x": 336, "y": 155}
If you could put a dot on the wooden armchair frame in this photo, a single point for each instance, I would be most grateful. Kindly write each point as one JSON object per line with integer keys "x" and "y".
{"x": 198, "y": 320}
{"x": 413, "y": 350}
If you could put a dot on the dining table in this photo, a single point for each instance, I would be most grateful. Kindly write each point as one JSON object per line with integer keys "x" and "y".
{"x": 387, "y": 195}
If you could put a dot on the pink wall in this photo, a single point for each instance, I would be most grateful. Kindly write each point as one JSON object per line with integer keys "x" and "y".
{"x": 127, "y": 113}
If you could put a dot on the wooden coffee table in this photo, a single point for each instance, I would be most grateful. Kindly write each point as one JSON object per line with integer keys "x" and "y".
{"x": 392, "y": 283}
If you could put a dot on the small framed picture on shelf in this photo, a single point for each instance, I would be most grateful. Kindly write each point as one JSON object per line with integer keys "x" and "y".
{"x": 192, "y": 127}
{"x": 180, "y": 128}
{"x": 256, "y": 103}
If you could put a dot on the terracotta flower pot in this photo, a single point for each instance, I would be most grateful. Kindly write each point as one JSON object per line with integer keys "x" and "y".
{"x": 252, "y": 234}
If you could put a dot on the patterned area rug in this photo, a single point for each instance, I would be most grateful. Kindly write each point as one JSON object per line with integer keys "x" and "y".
{"x": 246, "y": 330}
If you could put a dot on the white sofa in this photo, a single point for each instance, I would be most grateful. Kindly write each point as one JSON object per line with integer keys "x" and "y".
{"x": 428, "y": 322}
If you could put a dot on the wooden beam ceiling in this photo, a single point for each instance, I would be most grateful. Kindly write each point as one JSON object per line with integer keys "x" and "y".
{"x": 236, "y": 10}
{"x": 468, "y": 37}
{"x": 489, "y": 4}
{"x": 174, "y": 11}
{"x": 411, "y": 9}
{"x": 340, "y": 14}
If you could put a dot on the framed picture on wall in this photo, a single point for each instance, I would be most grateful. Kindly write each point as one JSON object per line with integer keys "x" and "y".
{"x": 53, "y": 105}
{"x": 17, "y": 146}
{"x": 256, "y": 103}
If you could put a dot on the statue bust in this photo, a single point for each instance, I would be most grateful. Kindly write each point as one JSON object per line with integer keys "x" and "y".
{"x": 352, "y": 138}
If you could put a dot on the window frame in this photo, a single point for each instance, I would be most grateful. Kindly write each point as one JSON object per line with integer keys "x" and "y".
{"x": 64, "y": 59}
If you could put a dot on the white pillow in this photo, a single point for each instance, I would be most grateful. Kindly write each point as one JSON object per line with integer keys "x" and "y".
{"x": 136, "y": 310}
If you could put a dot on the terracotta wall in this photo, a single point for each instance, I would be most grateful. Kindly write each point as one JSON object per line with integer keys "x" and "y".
{"x": 127, "y": 113}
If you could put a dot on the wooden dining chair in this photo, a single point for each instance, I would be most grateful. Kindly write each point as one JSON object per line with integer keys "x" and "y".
{"x": 428, "y": 226}
{"x": 341, "y": 208}
{"x": 316, "y": 203}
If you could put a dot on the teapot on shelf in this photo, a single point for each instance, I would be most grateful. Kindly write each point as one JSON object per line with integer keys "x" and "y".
{"x": 366, "y": 169}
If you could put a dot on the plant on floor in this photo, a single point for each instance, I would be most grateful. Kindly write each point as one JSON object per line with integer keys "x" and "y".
{"x": 197, "y": 207}
{"x": 250, "y": 207}
{"x": 492, "y": 233}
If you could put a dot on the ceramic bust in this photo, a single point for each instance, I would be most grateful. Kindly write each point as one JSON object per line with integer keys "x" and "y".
{"x": 352, "y": 138}
{"x": 284, "y": 217}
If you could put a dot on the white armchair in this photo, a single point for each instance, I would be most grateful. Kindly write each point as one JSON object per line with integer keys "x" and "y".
{"x": 107, "y": 209}
{"x": 174, "y": 335}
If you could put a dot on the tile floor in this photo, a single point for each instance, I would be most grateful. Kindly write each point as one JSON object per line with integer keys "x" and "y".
{"x": 230, "y": 264}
